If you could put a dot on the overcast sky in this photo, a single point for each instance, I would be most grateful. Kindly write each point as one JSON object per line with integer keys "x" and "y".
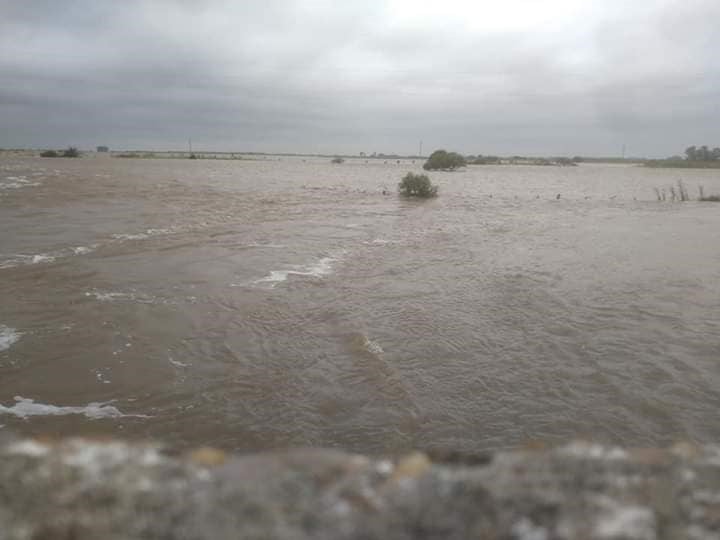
{"x": 540, "y": 77}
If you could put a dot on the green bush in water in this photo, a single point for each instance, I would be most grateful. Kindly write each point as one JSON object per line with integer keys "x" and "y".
{"x": 417, "y": 185}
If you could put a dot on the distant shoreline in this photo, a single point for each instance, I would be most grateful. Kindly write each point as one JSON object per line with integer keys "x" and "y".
{"x": 254, "y": 156}
{"x": 261, "y": 156}
{"x": 681, "y": 164}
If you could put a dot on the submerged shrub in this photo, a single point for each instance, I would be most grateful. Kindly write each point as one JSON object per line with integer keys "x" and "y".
{"x": 49, "y": 153}
{"x": 417, "y": 185}
{"x": 338, "y": 160}
{"x": 71, "y": 152}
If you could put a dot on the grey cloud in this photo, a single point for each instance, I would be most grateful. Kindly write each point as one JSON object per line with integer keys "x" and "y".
{"x": 298, "y": 76}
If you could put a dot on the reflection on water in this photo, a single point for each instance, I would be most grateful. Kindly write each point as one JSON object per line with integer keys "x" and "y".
{"x": 257, "y": 304}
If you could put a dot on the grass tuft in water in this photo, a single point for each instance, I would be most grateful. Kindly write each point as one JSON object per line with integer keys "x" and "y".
{"x": 680, "y": 193}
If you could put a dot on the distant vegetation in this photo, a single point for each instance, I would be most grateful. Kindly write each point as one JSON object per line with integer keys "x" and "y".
{"x": 524, "y": 160}
{"x": 702, "y": 154}
{"x": 71, "y": 151}
{"x": 695, "y": 158}
{"x": 485, "y": 160}
{"x": 681, "y": 163}
{"x": 417, "y": 185}
{"x": 554, "y": 162}
{"x": 441, "y": 160}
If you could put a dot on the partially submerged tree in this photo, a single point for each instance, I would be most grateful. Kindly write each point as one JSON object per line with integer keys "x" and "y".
{"x": 443, "y": 160}
{"x": 71, "y": 152}
{"x": 337, "y": 160}
{"x": 417, "y": 185}
{"x": 49, "y": 153}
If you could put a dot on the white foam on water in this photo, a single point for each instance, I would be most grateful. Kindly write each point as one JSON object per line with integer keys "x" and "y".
{"x": 100, "y": 376}
{"x": 138, "y": 236}
{"x": 321, "y": 268}
{"x": 108, "y": 296}
{"x": 83, "y": 250}
{"x": 372, "y": 347}
{"x": 115, "y": 296}
{"x": 268, "y": 246}
{"x": 177, "y": 363}
{"x": 25, "y": 408}
{"x": 17, "y": 182}
{"x": 21, "y": 259}
{"x": 142, "y": 235}
{"x": 41, "y": 258}
{"x": 8, "y": 336}
{"x": 379, "y": 242}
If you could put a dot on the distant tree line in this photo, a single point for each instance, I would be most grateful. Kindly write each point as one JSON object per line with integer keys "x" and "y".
{"x": 70, "y": 152}
{"x": 693, "y": 153}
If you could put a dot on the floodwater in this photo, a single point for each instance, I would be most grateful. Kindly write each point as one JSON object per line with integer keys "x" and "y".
{"x": 289, "y": 302}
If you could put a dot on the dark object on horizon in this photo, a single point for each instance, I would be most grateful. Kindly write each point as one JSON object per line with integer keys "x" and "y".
{"x": 49, "y": 153}
{"x": 444, "y": 161}
{"x": 558, "y": 196}
{"x": 71, "y": 152}
{"x": 337, "y": 160}
{"x": 192, "y": 156}
{"x": 102, "y": 149}
{"x": 417, "y": 185}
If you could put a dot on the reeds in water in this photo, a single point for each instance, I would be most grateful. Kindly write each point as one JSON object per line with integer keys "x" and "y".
{"x": 679, "y": 192}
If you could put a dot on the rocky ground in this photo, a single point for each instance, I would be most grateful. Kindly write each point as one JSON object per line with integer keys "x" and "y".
{"x": 78, "y": 489}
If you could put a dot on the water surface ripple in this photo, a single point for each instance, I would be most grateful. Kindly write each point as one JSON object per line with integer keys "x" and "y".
{"x": 258, "y": 304}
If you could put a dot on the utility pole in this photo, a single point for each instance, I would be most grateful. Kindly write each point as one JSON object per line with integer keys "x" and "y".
{"x": 420, "y": 154}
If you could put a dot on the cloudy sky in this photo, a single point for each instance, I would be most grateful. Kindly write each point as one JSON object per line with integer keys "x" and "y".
{"x": 539, "y": 77}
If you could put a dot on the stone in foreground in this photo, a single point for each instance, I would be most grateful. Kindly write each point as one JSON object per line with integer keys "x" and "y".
{"x": 77, "y": 489}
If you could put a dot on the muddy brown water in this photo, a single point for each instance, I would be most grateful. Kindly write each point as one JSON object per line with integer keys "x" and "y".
{"x": 288, "y": 302}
